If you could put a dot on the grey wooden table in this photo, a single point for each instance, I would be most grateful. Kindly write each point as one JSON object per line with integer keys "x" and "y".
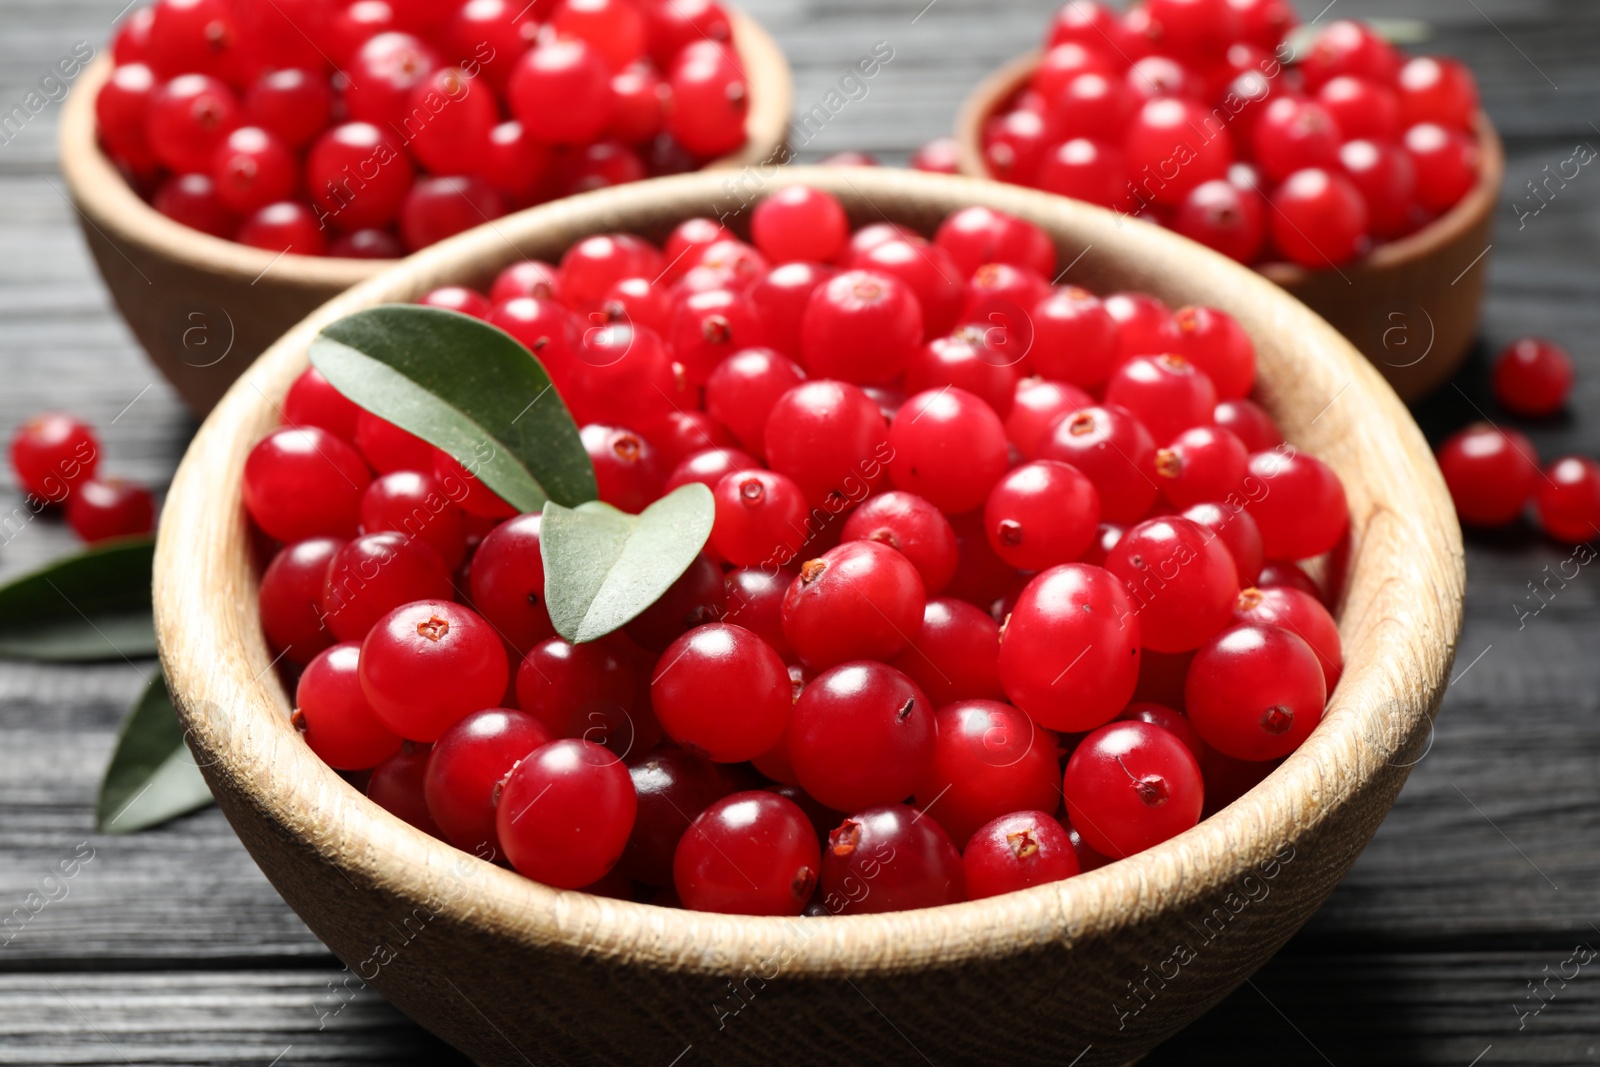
{"x": 170, "y": 947}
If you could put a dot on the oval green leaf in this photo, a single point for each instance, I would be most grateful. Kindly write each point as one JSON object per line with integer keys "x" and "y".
{"x": 466, "y": 387}
{"x": 152, "y": 777}
{"x": 602, "y": 567}
{"x": 91, "y": 606}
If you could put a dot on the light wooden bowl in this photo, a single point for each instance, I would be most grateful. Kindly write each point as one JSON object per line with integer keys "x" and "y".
{"x": 203, "y": 307}
{"x": 513, "y": 972}
{"x": 1410, "y": 306}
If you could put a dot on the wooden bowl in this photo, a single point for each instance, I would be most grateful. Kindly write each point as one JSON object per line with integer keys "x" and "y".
{"x": 1410, "y": 306}
{"x": 513, "y": 972}
{"x": 203, "y": 307}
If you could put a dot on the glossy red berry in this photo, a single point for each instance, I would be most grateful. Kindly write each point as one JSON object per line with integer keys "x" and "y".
{"x": 977, "y": 235}
{"x": 396, "y": 786}
{"x": 781, "y": 296}
{"x": 1018, "y": 850}
{"x": 861, "y": 733}
{"x": 585, "y": 690}
{"x": 416, "y": 504}
{"x": 333, "y": 714}
{"x": 911, "y": 526}
{"x": 698, "y": 596}
{"x": 708, "y": 327}
{"x": 465, "y": 771}
{"x": 1041, "y": 514}
{"x": 760, "y": 518}
{"x": 1224, "y": 217}
{"x": 926, "y": 270}
{"x": 1215, "y": 343}
{"x": 956, "y": 653}
{"x": 1301, "y": 510}
{"x": 1301, "y": 614}
{"x": 755, "y": 602}
{"x": 52, "y": 453}
{"x": 427, "y": 664}
{"x": 303, "y": 482}
{"x": 382, "y": 73}
{"x": 1037, "y": 406}
{"x": 286, "y": 226}
{"x": 292, "y": 103}
{"x": 1181, "y": 579}
{"x": 1349, "y": 47}
{"x": 1069, "y": 652}
{"x": 1361, "y": 109}
{"x": 526, "y": 277}
{"x": 831, "y": 439}
{"x": 861, "y": 600}
{"x": 437, "y": 208}
{"x": 1167, "y": 130}
{"x": 388, "y": 448}
{"x": 1446, "y": 161}
{"x": 376, "y": 573}
{"x": 1174, "y": 722}
{"x": 1202, "y": 463}
{"x": 709, "y": 466}
{"x": 989, "y": 759}
{"x": 1292, "y": 133}
{"x": 99, "y": 510}
{"x": 751, "y": 853}
{"x": 948, "y": 447}
{"x": 860, "y": 327}
{"x": 1255, "y": 692}
{"x": 358, "y": 175}
{"x": 966, "y": 360}
{"x": 742, "y": 390}
{"x": 1075, "y": 338}
{"x": 1166, "y": 392}
{"x": 722, "y": 692}
{"x": 1568, "y": 500}
{"x": 1383, "y": 173}
{"x": 798, "y": 222}
{"x": 710, "y": 100}
{"x": 1237, "y": 531}
{"x": 1130, "y": 786}
{"x": 673, "y": 787}
{"x": 1282, "y": 574}
{"x": 1250, "y": 422}
{"x": 889, "y": 858}
{"x": 1319, "y": 220}
{"x": 1439, "y": 90}
{"x": 187, "y": 118}
{"x": 565, "y": 813}
{"x": 291, "y": 598}
{"x": 626, "y": 470}
{"x": 1113, "y": 450}
{"x": 1532, "y": 377}
{"x": 1145, "y": 326}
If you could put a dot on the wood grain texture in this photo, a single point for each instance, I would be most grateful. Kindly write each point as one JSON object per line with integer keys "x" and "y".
{"x": 649, "y": 979}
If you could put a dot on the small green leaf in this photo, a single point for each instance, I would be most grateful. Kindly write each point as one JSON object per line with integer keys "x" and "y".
{"x": 91, "y": 606}
{"x": 466, "y": 387}
{"x": 152, "y": 777}
{"x": 602, "y": 567}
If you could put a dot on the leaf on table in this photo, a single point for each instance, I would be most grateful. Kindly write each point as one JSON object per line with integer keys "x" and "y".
{"x": 466, "y": 387}
{"x": 152, "y": 777}
{"x": 91, "y": 606}
{"x": 602, "y": 567}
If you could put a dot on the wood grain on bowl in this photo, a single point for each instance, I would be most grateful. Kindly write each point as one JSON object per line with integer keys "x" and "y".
{"x": 203, "y": 307}
{"x": 1105, "y": 965}
{"x": 1411, "y": 306}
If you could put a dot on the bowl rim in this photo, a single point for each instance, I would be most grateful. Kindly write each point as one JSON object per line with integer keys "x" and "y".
{"x": 1402, "y": 611}
{"x": 1004, "y": 81}
{"x": 105, "y": 199}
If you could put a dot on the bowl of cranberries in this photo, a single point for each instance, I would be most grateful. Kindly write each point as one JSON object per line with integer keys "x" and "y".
{"x": 1029, "y": 660}
{"x": 236, "y": 163}
{"x": 1360, "y": 179}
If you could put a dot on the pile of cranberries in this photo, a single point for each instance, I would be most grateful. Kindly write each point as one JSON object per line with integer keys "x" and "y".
{"x": 977, "y": 611}
{"x": 368, "y": 128}
{"x": 1493, "y": 472}
{"x": 56, "y": 459}
{"x": 1190, "y": 113}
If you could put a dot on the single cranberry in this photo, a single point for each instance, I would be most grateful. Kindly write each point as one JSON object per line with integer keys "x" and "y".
{"x": 291, "y": 598}
{"x": 1293, "y": 133}
{"x": 1063, "y": 62}
{"x": 1202, "y": 463}
{"x": 99, "y": 510}
{"x": 1069, "y": 652}
{"x": 368, "y": 243}
{"x": 624, "y": 375}
{"x": 1250, "y": 422}
{"x": 1237, "y": 531}
{"x": 742, "y": 390}
{"x": 709, "y": 466}
{"x": 382, "y": 73}
{"x": 467, "y": 491}
{"x": 862, "y": 733}
{"x": 1018, "y": 850}
{"x": 911, "y": 526}
{"x": 437, "y": 208}
{"x": 415, "y": 504}
{"x": 861, "y": 600}
{"x": 187, "y": 118}
{"x": 468, "y": 763}
{"x": 710, "y": 100}
{"x": 722, "y": 692}
{"x": 1319, "y": 219}
{"x": 448, "y": 121}
{"x": 1036, "y": 408}
{"x": 1114, "y": 451}
{"x": 334, "y": 716}
{"x": 780, "y": 297}
{"x": 1265, "y": 22}
{"x": 751, "y": 853}
{"x": 708, "y": 327}
{"x": 52, "y": 453}
{"x": 956, "y": 653}
{"x": 374, "y": 574}
{"x": 1302, "y": 510}
{"x": 640, "y": 99}
{"x": 755, "y": 602}
{"x": 120, "y": 110}
{"x": 526, "y": 277}
{"x": 1130, "y": 786}
{"x": 252, "y": 168}
{"x": 293, "y": 103}
{"x": 1532, "y": 377}
{"x": 427, "y": 664}
{"x": 1383, "y": 173}
{"x": 926, "y": 270}
{"x": 1083, "y": 170}
{"x": 131, "y": 41}
{"x": 507, "y": 28}
{"x": 1174, "y": 136}
{"x": 673, "y": 787}
{"x": 286, "y": 226}
{"x": 1438, "y": 90}
{"x": 889, "y": 858}
{"x": 860, "y": 327}
{"x": 977, "y": 235}
{"x": 625, "y": 466}
{"x": 1182, "y": 581}
{"x": 1446, "y": 162}
{"x": 989, "y": 759}
{"x": 1301, "y": 614}
{"x": 966, "y": 360}
{"x": 948, "y": 447}
{"x": 831, "y": 439}
{"x": 457, "y": 298}
{"x": 396, "y": 786}
{"x": 760, "y": 518}
{"x": 358, "y": 176}
{"x": 299, "y": 482}
{"x": 585, "y": 690}
{"x": 1361, "y": 109}
{"x": 1144, "y": 325}
{"x": 1075, "y": 338}
{"x": 1041, "y": 514}
{"x": 1224, "y": 217}
{"x": 388, "y": 448}
{"x": 641, "y": 301}
{"x": 1167, "y": 393}
{"x": 1349, "y": 47}
{"x": 684, "y": 434}
{"x": 799, "y": 222}
{"x": 544, "y": 328}
{"x": 1568, "y": 502}
{"x": 1284, "y": 574}
{"x": 1255, "y": 692}
{"x": 1214, "y": 342}
{"x": 565, "y": 813}
{"x": 507, "y": 583}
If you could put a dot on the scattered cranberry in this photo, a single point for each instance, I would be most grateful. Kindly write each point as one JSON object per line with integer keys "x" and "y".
{"x": 99, "y": 510}
{"x": 52, "y": 453}
{"x": 1568, "y": 500}
{"x": 1532, "y": 377}
{"x": 1491, "y": 474}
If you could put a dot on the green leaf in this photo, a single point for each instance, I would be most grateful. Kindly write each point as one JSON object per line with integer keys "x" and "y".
{"x": 152, "y": 777}
{"x": 92, "y": 606}
{"x": 466, "y": 387}
{"x": 602, "y": 567}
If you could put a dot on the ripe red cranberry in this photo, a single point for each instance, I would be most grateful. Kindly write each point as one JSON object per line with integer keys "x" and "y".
{"x": 120, "y": 109}
{"x": 1214, "y": 342}
{"x": 624, "y": 373}
{"x": 1238, "y": 532}
{"x": 387, "y": 447}
{"x": 1293, "y": 133}
{"x": 286, "y": 226}
{"x": 1174, "y": 722}
{"x": 1224, "y": 217}
{"x": 187, "y": 118}
{"x": 437, "y": 208}
{"x": 889, "y": 858}
{"x": 751, "y": 853}
{"x": 861, "y": 600}
{"x": 252, "y": 168}
{"x": 466, "y": 768}
{"x": 507, "y": 583}
{"x": 708, "y": 327}
{"x": 965, "y": 360}
{"x": 1300, "y": 613}
{"x": 1383, "y": 173}
{"x": 333, "y": 714}
{"x": 468, "y": 492}
{"x": 640, "y": 99}
{"x": 414, "y": 503}
{"x": 798, "y": 222}
{"x": 1181, "y": 580}
{"x": 427, "y": 664}
{"x": 357, "y": 24}
{"x": 1439, "y": 90}
{"x": 1282, "y": 574}
{"x": 395, "y": 785}
{"x": 956, "y": 653}
{"x": 1090, "y": 24}
{"x": 831, "y": 439}
{"x": 1084, "y": 170}
{"x": 1069, "y": 653}
{"x": 709, "y": 466}
{"x": 1446, "y": 162}
{"x": 722, "y": 692}
{"x": 760, "y": 518}
{"x": 861, "y": 733}
{"x": 1532, "y": 377}
{"x": 1196, "y": 27}
{"x": 683, "y": 434}
{"x": 1130, "y": 786}
{"x": 1018, "y": 850}
{"x": 948, "y": 447}
{"x": 1202, "y": 463}
{"x": 641, "y": 301}
{"x": 382, "y": 72}
{"x": 1302, "y": 512}
{"x": 1255, "y": 692}
{"x": 1114, "y": 450}
{"x": 1041, "y": 514}
{"x": 293, "y": 103}
{"x": 1250, "y": 423}
{"x": 526, "y": 277}
{"x": 448, "y": 119}
{"x": 742, "y": 390}
{"x": 1144, "y": 325}
{"x": 1349, "y": 47}
{"x": 860, "y": 327}
{"x": 585, "y": 690}
{"x": 131, "y": 41}
{"x": 989, "y": 759}
{"x": 1568, "y": 500}
{"x": 977, "y": 235}
{"x": 755, "y": 602}
{"x": 376, "y": 573}
{"x": 780, "y": 297}
{"x": 544, "y": 328}
{"x": 625, "y": 466}
{"x": 911, "y": 526}
{"x": 1074, "y": 339}
{"x": 1319, "y": 219}
{"x": 52, "y": 453}
{"x": 457, "y": 298}
{"x": 711, "y": 99}
{"x": 358, "y": 176}
{"x": 301, "y": 482}
{"x": 1037, "y": 406}
{"x": 1154, "y": 77}
{"x": 1167, "y": 393}
{"x": 98, "y": 510}
{"x": 368, "y": 243}
{"x": 673, "y": 786}
{"x": 565, "y": 813}
{"x": 1361, "y": 109}
{"x": 1265, "y": 22}
{"x": 1169, "y": 129}
{"x": 291, "y": 598}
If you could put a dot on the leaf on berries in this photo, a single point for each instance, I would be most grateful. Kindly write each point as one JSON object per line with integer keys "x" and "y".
{"x": 466, "y": 387}
{"x": 91, "y": 606}
{"x": 602, "y": 567}
{"x": 152, "y": 777}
